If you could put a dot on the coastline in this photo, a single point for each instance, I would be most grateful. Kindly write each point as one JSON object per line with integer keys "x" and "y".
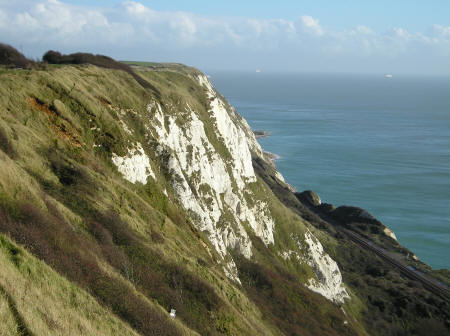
{"x": 272, "y": 156}
{"x": 263, "y": 134}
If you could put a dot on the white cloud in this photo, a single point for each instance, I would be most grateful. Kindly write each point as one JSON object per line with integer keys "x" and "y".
{"x": 133, "y": 30}
{"x": 136, "y": 8}
{"x": 403, "y": 33}
{"x": 364, "y": 30}
{"x": 442, "y": 31}
{"x": 27, "y": 21}
{"x": 312, "y": 25}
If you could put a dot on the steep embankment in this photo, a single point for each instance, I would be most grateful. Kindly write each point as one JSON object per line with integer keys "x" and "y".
{"x": 146, "y": 198}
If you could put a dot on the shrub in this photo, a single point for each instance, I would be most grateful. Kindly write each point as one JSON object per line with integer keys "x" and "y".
{"x": 12, "y": 57}
{"x": 54, "y": 57}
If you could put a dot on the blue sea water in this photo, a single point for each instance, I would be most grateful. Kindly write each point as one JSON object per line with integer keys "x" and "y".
{"x": 379, "y": 143}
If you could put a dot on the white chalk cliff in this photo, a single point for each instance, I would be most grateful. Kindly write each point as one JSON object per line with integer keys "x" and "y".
{"x": 135, "y": 167}
{"x": 212, "y": 180}
{"x": 328, "y": 280}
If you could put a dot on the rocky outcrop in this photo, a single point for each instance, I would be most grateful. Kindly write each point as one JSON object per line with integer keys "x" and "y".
{"x": 310, "y": 197}
{"x": 349, "y": 215}
{"x": 388, "y": 232}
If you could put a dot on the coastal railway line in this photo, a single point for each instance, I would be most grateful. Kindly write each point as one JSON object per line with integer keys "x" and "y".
{"x": 411, "y": 274}
{"x": 321, "y": 219}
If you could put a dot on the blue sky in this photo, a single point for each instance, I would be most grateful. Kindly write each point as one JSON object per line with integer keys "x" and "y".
{"x": 380, "y": 14}
{"x": 409, "y": 37}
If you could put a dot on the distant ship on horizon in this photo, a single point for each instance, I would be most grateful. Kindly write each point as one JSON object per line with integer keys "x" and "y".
{"x": 258, "y": 71}
{"x": 388, "y": 76}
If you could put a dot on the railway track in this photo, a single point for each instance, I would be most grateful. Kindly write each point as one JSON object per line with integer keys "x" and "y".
{"x": 433, "y": 287}
{"x": 411, "y": 274}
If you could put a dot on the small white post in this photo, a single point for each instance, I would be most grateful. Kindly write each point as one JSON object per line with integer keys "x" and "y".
{"x": 173, "y": 313}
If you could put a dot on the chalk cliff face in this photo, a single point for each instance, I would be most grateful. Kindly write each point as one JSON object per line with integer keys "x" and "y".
{"x": 213, "y": 182}
{"x": 329, "y": 278}
{"x": 135, "y": 167}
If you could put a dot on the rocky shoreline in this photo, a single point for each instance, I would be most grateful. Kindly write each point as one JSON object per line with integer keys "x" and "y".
{"x": 272, "y": 156}
{"x": 261, "y": 134}
{"x": 269, "y": 155}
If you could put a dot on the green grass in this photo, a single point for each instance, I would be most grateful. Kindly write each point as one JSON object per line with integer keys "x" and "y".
{"x": 177, "y": 67}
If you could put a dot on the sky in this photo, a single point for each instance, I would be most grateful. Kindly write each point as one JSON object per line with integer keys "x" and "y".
{"x": 345, "y": 36}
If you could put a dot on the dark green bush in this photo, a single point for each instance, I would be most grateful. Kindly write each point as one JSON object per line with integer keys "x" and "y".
{"x": 12, "y": 57}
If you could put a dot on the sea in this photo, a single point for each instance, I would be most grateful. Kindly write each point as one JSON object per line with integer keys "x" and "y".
{"x": 376, "y": 142}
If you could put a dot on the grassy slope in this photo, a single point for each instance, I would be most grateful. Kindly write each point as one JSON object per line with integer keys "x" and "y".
{"x": 132, "y": 248}
{"x": 36, "y": 300}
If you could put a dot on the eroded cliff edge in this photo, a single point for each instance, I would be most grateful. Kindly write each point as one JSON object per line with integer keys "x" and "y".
{"x": 158, "y": 197}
